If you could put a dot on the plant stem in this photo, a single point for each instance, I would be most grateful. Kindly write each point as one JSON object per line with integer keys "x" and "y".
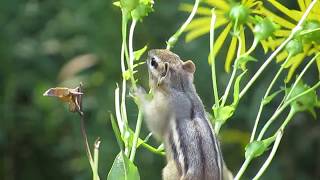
{"x": 272, "y": 153}
{"x": 136, "y": 136}
{"x": 124, "y": 34}
{"x": 118, "y": 111}
{"x": 309, "y": 31}
{"x": 131, "y": 53}
{"x": 267, "y": 62}
{"x": 174, "y": 38}
{"x": 288, "y": 119}
{"x": 87, "y": 147}
{"x": 152, "y": 149}
{"x": 298, "y": 79}
{"x": 212, "y": 56}
{"x": 277, "y": 113}
{"x": 121, "y": 112}
{"x": 96, "y": 158}
{"x": 243, "y": 168}
{"x": 253, "y": 46}
{"x": 266, "y": 126}
{"x": 233, "y": 74}
{"x": 265, "y": 96}
{"x": 124, "y": 87}
{"x": 301, "y": 74}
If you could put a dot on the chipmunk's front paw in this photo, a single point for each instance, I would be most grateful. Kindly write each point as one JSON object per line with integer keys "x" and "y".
{"x": 138, "y": 94}
{"x": 140, "y": 91}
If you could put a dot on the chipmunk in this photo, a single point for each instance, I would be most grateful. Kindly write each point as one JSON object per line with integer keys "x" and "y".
{"x": 176, "y": 116}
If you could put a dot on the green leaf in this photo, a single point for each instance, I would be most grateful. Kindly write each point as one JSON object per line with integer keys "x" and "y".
{"x": 223, "y": 113}
{"x": 116, "y": 131}
{"x": 138, "y": 64}
{"x": 269, "y": 98}
{"x": 307, "y": 102}
{"x": 237, "y": 88}
{"x": 143, "y": 9}
{"x": 243, "y": 60}
{"x": 313, "y": 34}
{"x": 254, "y": 149}
{"x": 123, "y": 169}
{"x": 257, "y": 148}
{"x": 117, "y": 3}
{"x": 140, "y": 52}
{"x": 128, "y": 5}
{"x": 126, "y": 75}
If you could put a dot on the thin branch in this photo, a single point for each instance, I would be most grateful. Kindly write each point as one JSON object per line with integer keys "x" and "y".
{"x": 212, "y": 57}
{"x": 272, "y": 153}
{"x": 174, "y": 38}
{"x": 275, "y": 53}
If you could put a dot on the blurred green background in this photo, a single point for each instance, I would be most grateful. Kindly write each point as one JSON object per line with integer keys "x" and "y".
{"x": 40, "y": 139}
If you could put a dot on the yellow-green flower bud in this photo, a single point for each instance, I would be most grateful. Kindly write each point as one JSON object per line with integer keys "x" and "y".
{"x": 312, "y": 36}
{"x": 307, "y": 102}
{"x": 294, "y": 47}
{"x": 239, "y": 13}
{"x": 128, "y": 5}
{"x": 264, "y": 29}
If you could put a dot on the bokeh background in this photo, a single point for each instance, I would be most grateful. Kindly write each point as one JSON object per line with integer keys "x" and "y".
{"x": 52, "y": 43}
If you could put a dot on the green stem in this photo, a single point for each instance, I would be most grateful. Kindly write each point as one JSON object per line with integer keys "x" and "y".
{"x": 288, "y": 119}
{"x": 136, "y": 136}
{"x": 124, "y": 88}
{"x": 131, "y": 54}
{"x": 174, "y": 38}
{"x": 118, "y": 111}
{"x": 272, "y": 153}
{"x": 253, "y": 46}
{"x": 287, "y": 103}
{"x": 309, "y": 31}
{"x": 152, "y": 149}
{"x": 96, "y": 159}
{"x": 298, "y": 79}
{"x": 265, "y": 96}
{"x": 233, "y": 74}
{"x": 124, "y": 34}
{"x": 243, "y": 168}
{"x": 275, "y": 53}
{"x": 212, "y": 56}
{"x": 301, "y": 74}
{"x": 121, "y": 112}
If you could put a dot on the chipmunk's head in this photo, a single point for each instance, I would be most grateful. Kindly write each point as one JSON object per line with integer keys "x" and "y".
{"x": 167, "y": 69}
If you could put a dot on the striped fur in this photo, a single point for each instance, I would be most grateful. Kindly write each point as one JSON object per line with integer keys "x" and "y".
{"x": 176, "y": 116}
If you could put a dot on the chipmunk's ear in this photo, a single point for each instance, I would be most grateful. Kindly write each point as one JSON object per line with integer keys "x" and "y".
{"x": 189, "y": 66}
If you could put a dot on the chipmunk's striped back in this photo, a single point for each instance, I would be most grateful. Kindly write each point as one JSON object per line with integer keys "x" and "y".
{"x": 176, "y": 116}
{"x": 194, "y": 147}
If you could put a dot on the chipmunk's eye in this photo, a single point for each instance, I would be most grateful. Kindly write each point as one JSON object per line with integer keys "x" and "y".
{"x": 154, "y": 63}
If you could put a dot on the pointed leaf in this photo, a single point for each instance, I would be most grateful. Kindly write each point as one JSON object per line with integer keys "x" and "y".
{"x": 116, "y": 131}
{"x": 117, "y": 3}
{"x": 223, "y": 113}
{"x": 243, "y": 60}
{"x": 307, "y": 102}
{"x": 237, "y": 88}
{"x": 140, "y": 52}
{"x": 254, "y": 149}
{"x": 123, "y": 169}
